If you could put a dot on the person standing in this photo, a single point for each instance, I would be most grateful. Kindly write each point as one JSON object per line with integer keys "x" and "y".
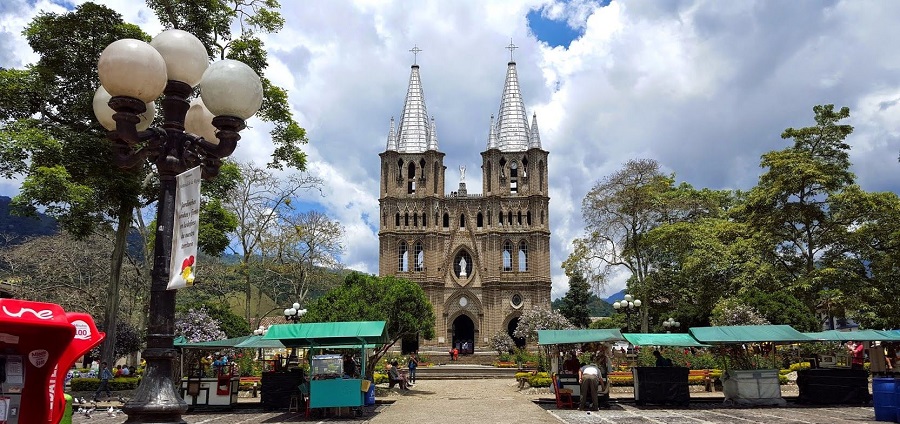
{"x": 662, "y": 361}
{"x": 412, "y": 364}
{"x": 571, "y": 365}
{"x": 589, "y": 378}
{"x": 857, "y": 352}
{"x": 105, "y": 376}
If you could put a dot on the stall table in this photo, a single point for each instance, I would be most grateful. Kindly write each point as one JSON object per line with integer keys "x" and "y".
{"x": 833, "y": 386}
{"x": 661, "y": 385}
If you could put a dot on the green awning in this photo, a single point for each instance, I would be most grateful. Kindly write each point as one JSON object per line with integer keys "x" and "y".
{"x": 680, "y": 339}
{"x": 748, "y": 334}
{"x": 214, "y": 344}
{"x": 846, "y": 336}
{"x": 554, "y": 337}
{"x": 257, "y": 342}
{"x": 324, "y": 334}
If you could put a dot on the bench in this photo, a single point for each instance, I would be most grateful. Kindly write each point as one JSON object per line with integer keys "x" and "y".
{"x": 703, "y": 376}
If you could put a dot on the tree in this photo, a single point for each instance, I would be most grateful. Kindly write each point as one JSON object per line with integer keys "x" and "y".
{"x": 575, "y": 303}
{"x": 128, "y": 340}
{"x": 260, "y": 200}
{"x": 196, "y": 325}
{"x": 790, "y": 205}
{"x": 401, "y": 303}
{"x": 619, "y": 211}
{"x": 733, "y": 312}
{"x": 538, "y": 318}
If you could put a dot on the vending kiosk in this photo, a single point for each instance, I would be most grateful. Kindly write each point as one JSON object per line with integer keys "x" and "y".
{"x": 38, "y": 344}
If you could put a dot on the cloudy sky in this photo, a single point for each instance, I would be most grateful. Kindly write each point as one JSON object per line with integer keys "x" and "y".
{"x": 703, "y": 87}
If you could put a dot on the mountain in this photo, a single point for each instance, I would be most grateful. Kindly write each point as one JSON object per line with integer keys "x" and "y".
{"x": 15, "y": 229}
{"x": 597, "y": 306}
{"x": 616, "y": 297}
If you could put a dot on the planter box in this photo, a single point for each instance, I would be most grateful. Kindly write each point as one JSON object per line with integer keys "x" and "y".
{"x": 752, "y": 387}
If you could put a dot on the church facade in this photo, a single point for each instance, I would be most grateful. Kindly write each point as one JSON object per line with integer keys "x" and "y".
{"x": 482, "y": 259}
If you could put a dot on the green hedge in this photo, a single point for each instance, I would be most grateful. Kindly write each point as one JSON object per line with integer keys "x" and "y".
{"x": 91, "y": 384}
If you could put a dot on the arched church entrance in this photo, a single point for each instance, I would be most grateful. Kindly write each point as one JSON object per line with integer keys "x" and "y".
{"x": 511, "y": 328}
{"x": 464, "y": 334}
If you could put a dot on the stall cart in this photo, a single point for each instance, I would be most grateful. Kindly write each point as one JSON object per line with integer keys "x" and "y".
{"x": 217, "y": 388}
{"x": 556, "y": 338}
{"x": 328, "y": 386}
{"x": 662, "y": 385}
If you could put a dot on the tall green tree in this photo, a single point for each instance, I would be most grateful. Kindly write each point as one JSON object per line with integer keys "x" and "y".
{"x": 575, "y": 302}
{"x": 399, "y": 302}
{"x": 790, "y": 206}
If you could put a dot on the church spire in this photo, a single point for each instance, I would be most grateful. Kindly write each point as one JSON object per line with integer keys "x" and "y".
{"x": 492, "y": 135}
{"x": 512, "y": 122}
{"x": 535, "y": 142}
{"x": 414, "y": 132}
{"x": 432, "y": 136}
{"x": 392, "y": 138}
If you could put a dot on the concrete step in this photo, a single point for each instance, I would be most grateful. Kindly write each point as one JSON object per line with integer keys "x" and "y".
{"x": 461, "y": 372}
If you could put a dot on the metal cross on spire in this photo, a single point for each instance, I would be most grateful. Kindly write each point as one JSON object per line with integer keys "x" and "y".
{"x": 511, "y": 47}
{"x": 415, "y": 51}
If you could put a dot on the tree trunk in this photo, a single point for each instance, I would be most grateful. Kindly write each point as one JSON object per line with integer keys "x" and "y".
{"x": 111, "y": 314}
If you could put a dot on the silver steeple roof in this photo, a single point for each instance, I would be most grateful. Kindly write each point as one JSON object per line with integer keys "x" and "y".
{"x": 512, "y": 123}
{"x": 432, "y": 136}
{"x": 415, "y": 131}
{"x": 492, "y": 135}
{"x": 392, "y": 138}
{"x": 535, "y": 142}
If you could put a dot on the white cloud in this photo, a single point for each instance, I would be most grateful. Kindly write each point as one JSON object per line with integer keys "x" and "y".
{"x": 704, "y": 87}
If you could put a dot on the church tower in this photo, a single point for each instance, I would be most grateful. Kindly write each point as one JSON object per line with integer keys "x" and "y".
{"x": 482, "y": 259}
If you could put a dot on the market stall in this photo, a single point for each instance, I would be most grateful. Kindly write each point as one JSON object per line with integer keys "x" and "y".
{"x": 662, "y": 385}
{"x": 555, "y": 338}
{"x": 756, "y": 386}
{"x": 213, "y": 386}
{"x": 329, "y": 386}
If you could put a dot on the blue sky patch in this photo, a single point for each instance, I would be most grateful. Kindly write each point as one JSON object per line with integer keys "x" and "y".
{"x": 553, "y": 32}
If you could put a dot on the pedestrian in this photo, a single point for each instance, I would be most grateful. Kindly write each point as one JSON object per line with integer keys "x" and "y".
{"x": 589, "y": 378}
{"x": 105, "y": 376}
{"x": 662, "y": 361}
{"x": 857, "y": 352}
{"x": 455, "y": 354}
{"x": 412, "y": 364}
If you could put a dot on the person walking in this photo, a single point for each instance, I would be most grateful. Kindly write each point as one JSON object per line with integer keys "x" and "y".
{"x": 412, "y": 364}
{"x": 589, "y": 378}
{"x": 105, "y": 376}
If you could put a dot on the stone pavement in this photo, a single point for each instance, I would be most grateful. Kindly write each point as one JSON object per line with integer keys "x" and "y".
{"x": 498, "y": 401}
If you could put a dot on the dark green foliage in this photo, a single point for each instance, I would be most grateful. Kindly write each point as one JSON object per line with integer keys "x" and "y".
{"x": 780, "y": 307}
{"x": 128, "y": 340}
{"x": 16, "y": 228}
{"x": 575, "y": 304}
{"x": 116, "y": 384}
{"x": 230, "y": 323}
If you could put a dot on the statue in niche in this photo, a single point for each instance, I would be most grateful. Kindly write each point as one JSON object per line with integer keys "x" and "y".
{"x": 462, "y": 266}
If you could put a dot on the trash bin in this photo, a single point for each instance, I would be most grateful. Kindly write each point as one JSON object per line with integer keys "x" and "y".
{"x": 884, "y": 398}
{"x": 370, "y": 395}
{"x": 67, "y": 415}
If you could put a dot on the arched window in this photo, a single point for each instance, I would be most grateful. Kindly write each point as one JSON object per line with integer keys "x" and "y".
{"x": 462, "y": 221}
{"x": 509, "y": 218}
{"x": 406, "y": 219}
{"x": 541, "y": 176}
{"x": 488, "y": 171}
{"x": 435, "y": 178}
{"x": 424, "y": 221}
{"x": 420, "y": 257}
{"x": 384, "y": 176}
{"x": 542, "y": 217}
{"x": 507, "y": 256}
{"x": 403, "y": 257}
{"x": 415, "y": 220}
{"x": 446, "y": 220}
{"x": 519, "y": 218}
{"x": 528, "y": 217}
{"x": 523, "y": 256}
{"x": 411, "y": 176}
{"x": 500, "y": 218}
{"x": 513, "y": 177}
{"x": 489, "y": 217}
{"x": 479, "y": 220}
{"x": 397, "y": 223}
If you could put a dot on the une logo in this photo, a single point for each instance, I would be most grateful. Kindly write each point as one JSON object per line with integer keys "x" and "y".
{"x": 42, "y": 314}
{"x": 82, "y": 330}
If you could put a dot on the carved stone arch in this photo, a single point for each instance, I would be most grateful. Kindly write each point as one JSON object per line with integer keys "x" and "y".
{"x": 472, "y": 261}
{"x": 473, "y": 308}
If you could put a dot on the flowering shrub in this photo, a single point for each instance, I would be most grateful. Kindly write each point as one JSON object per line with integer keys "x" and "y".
{"x": 536, "y": 319}
{"x": 502, "y": 343}
{"x": 197, "y": 326}
{"x": 733, "y": 312}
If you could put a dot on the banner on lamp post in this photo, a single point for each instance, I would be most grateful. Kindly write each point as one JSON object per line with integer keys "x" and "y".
{"x": 184, "y": 231}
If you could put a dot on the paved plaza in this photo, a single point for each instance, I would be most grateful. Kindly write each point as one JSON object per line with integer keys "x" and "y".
{"x": 499, "y": 401}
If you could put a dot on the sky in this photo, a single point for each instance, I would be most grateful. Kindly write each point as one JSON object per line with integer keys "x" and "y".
{"x": 702, "y": 86}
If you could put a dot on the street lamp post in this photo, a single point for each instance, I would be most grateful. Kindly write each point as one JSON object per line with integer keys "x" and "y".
{"x": 628, "y": 305}
{"x": 293, "y": 314}
{"x": 133, "y": 73}
{"x": 671, "y": 324}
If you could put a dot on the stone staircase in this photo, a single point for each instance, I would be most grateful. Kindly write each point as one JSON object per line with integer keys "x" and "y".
{"x": 477, "y": 365}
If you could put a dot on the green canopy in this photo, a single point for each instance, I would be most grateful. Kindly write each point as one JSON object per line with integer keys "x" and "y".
{"x": 861, "y": 336}
{"x": 680, "y": 339}
{"x": 748, "y": 334}
{"x": 326, "y": 334}
{"x": 214, "y": 344}
{"x": 554, "y": 337}
{"x": 257, "y": 342}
